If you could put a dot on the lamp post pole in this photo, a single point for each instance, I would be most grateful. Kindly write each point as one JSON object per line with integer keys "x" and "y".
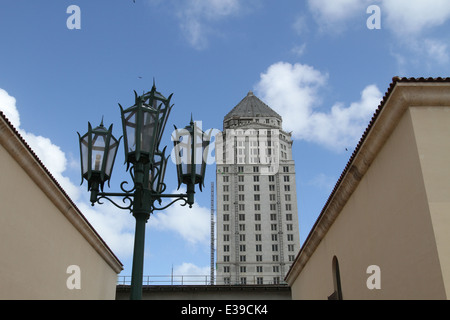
{"x": 137, "y": 273}
{"x": 141, "y": 212}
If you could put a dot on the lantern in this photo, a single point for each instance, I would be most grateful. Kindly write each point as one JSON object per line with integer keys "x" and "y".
{"x": 98, "y": 149}
{"x": 143, "y": 126}
{"x": 191, "y": 149}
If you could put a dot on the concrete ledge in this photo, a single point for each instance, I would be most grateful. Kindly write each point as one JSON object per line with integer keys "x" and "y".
{"x": 208, "y": 292}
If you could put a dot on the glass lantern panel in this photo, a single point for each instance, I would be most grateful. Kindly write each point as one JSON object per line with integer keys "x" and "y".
{"x": 130, "y": 125}
{"x": 147, "y": 132}
{"x": 185, "y": 152}
{"x": 84, "y": 154}
{"x": 154, "y": 172}
{"x": 198, "y": 149}
{"x": 111, "y": 156}
{"x": 98, "y": 151}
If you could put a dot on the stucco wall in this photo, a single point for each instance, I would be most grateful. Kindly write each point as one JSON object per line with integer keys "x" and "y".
{"x": 432, "y": 132}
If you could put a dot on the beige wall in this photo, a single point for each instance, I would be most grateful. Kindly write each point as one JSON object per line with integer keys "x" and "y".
{"x": 38, "y": 243}
{"x": 387, "y": 222}
{"x": 432, "y": 132}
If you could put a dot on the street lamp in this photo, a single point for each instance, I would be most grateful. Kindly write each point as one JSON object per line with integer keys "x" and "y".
{"x": 98, "y": 149}
{"x": 143, "y": 126}
{"x": 191, "y": 148}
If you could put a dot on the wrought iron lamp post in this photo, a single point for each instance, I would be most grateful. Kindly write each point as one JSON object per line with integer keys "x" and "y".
{"x": 143, "y": 127}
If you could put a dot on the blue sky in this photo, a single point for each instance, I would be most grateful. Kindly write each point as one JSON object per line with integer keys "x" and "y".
{"x": 315, "y": 62}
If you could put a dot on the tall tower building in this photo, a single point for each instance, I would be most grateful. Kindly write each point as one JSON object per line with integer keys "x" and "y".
{"x": 257, "y": 217}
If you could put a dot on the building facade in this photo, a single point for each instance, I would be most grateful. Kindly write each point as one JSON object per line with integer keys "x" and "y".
{"x": 257, "y": 217}
{"x": 384, "y": 231}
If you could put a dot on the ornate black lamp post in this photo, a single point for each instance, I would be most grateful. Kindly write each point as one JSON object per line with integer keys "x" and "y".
{"x": 143, "y": 126}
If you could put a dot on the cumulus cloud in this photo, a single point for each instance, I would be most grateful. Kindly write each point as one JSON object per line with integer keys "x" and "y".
{"x": 193, "y": 225}
{"x": 187, "y": 268}
{"x": 403, "y": 17}
{"x": 190, "y": 274}
{"x": 8, "y": 107}
{"x": 411, "y": 17}
{"x": 294, "y": 92}
{"x": 409, "y": 21}
{"x": 115, "y": 226}
{"x": 54, "y": 159}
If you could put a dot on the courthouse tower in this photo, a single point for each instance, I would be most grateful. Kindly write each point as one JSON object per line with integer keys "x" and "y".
{"x": 257, "y": 217}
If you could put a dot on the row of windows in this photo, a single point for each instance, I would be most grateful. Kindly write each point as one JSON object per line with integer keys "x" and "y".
{"x": 273, "y": 227}
{"x": 257, "y": 197}
{"x": 256, "y": 187}
{"x": 255, "y": 178}
{"x": 257, "y": 207}
{"x": 257, "y": 216}
{"x": 259, "y": 280}
{"x": 243, "y": 248}
{"x": 258, "y": 237}
{"x": 255, "y": 170}
{"x": 259, "y": 258}
{"x": 259, "y": 269}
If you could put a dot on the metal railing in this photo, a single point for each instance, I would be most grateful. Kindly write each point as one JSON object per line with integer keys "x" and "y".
{"x": 192, "y": 280}
{"x": 170, "y": 280}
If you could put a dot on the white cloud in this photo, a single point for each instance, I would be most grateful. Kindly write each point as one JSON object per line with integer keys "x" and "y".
{"x": 410, "y": 22}
{"x": 54, "y": 160}
{"x": 190, "y": 274}
{"x": 343, "y": 126}
{"x": 8, "y": 107}
{"x": 114, "y": 225}
{"x": 196, "y": 17}
{"x": 411, "y": 17}
{"x": 193, "y": 225}
{"x": 187, "y": 268}
{"x": 293, "y": 91}
{"x": 402, "y": 17}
